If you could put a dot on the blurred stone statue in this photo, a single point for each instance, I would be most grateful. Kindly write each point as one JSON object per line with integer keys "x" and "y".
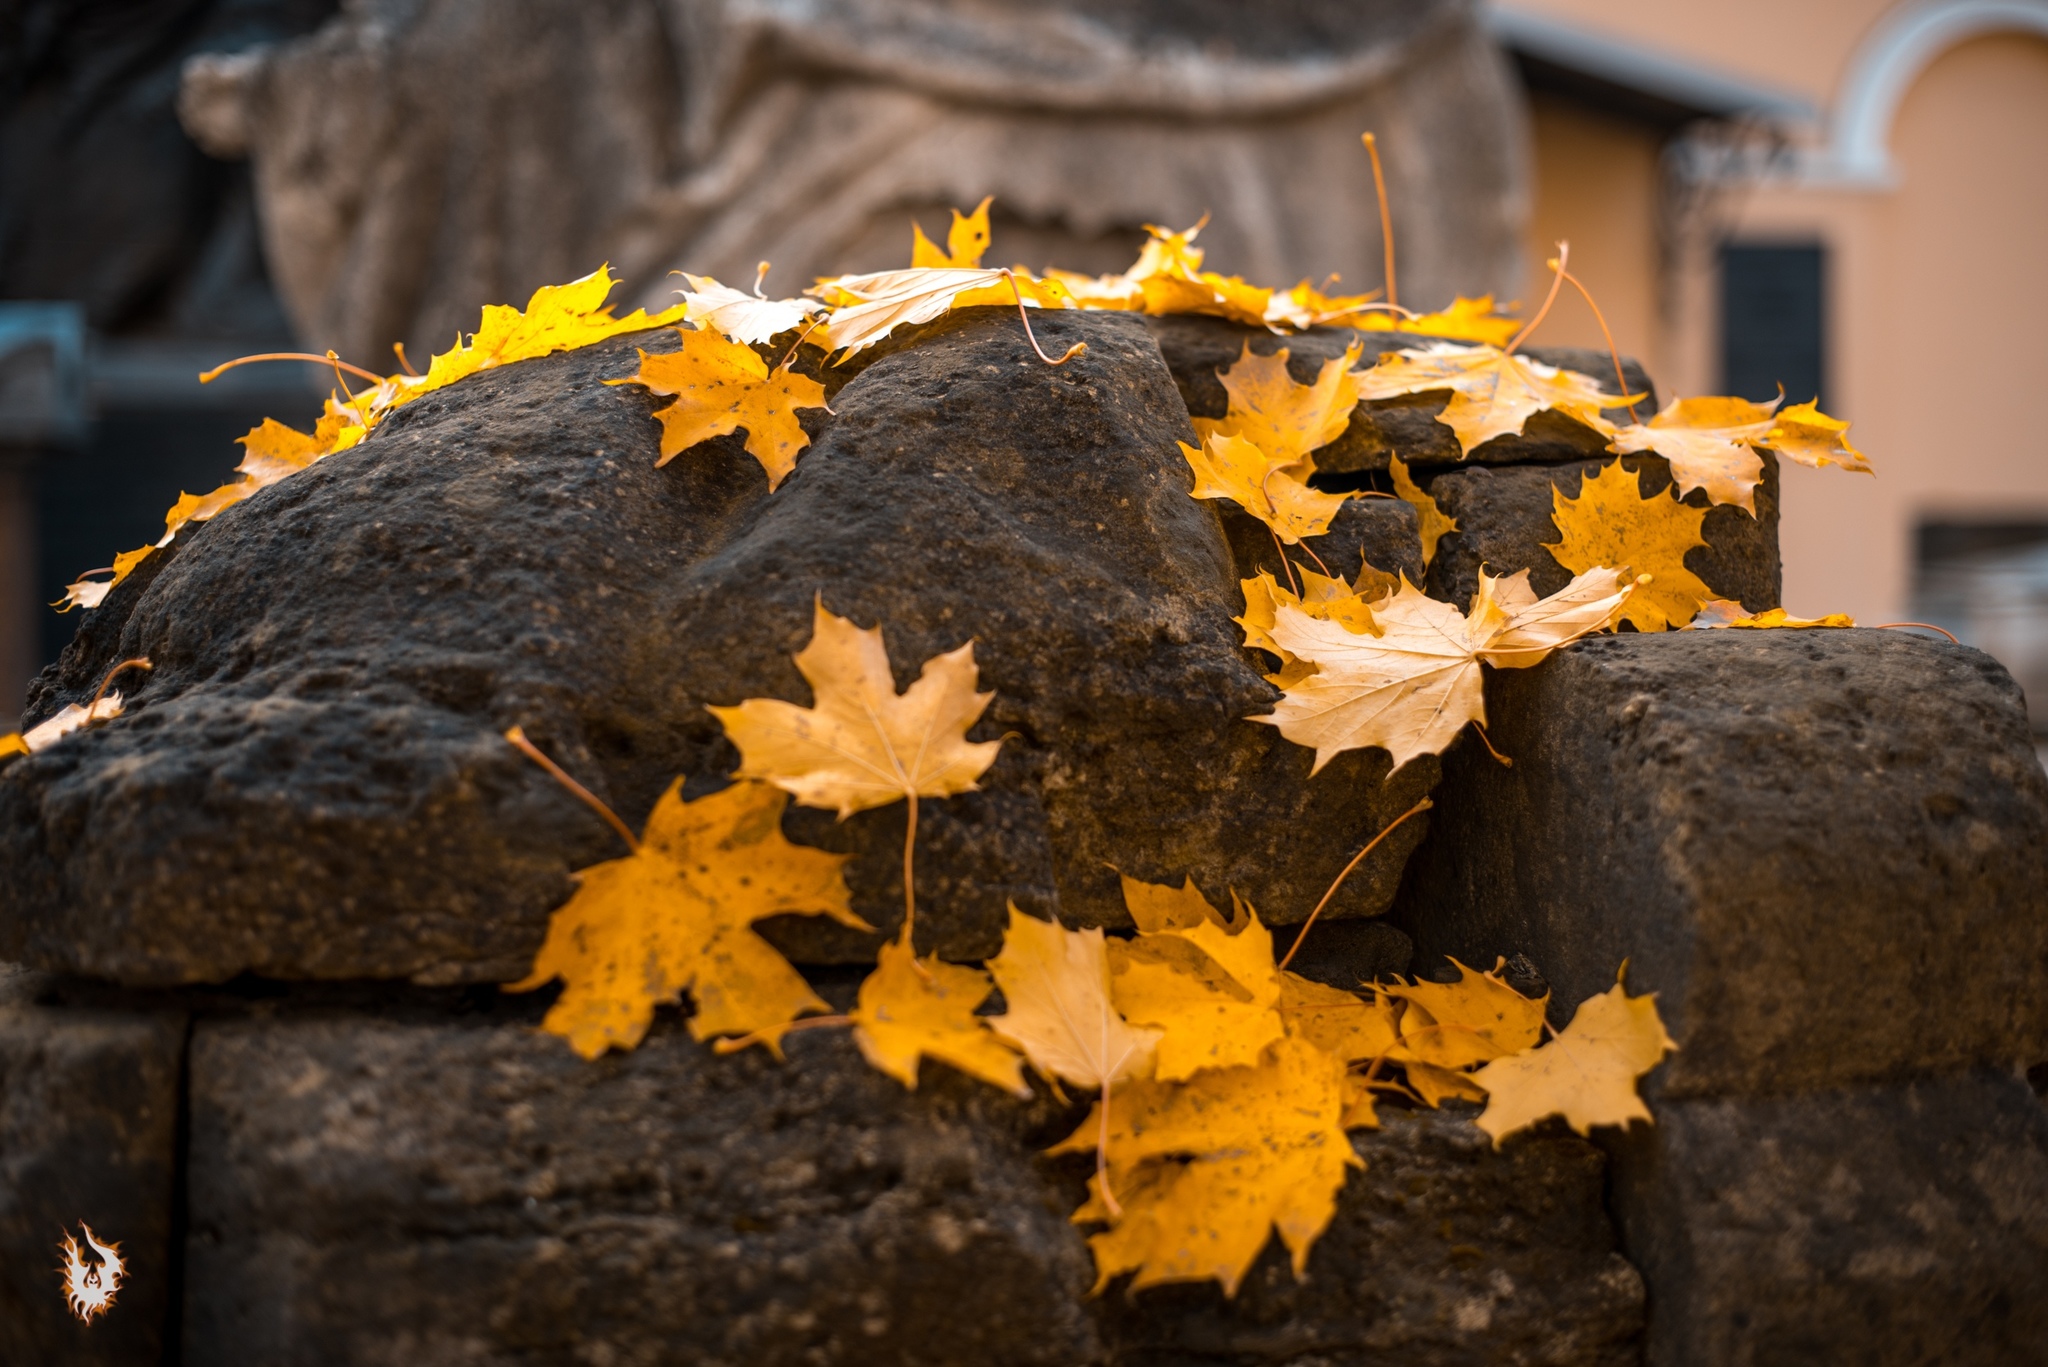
{"x": 415, "y": 159}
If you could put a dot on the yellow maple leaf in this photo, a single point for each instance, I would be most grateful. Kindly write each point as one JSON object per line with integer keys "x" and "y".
{"x": 1210, "y": 989}
{"x": 1587, "y": 1074}
{"x": 1716, "y": 613}
{"x": 1055, "y": 984}
{"x": 1612, "y": 523}
{"x": 1493, "y": 392}
{"x": 1276, "y": 492}
{"x": 1284, "y": 419}
{"x": 1431, "y": 523}
{"x": 1411, "y": 689}
{"x": 674, "y": 916}
{"x": 1710, "y": 443}
{"x": 1435, "y": 1085}
{"x": 1804, "y": 434}
{"x": 1208, "y": 1169}
{"x": 749, "y": 318}
{"x": 966, "y": 240}
{"x": 1466, "y": 320}
{"x": 909, "y": 1011}
{"x": 556, "y": 318}
{"x": 720, "y": 386}
{"x": 864, "y": 745}
{"x": 1477, "y": 1018}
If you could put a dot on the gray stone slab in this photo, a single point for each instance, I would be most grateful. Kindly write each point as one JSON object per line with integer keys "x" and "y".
{"x": 1826, "y": 851}
{"x": 1196, "y": 347}
{"x": 88, "y": 1133}
{"x": 1505, "y": 522}
{"x": 439, "y": 1190}
{"x": 1882, "y": 1226}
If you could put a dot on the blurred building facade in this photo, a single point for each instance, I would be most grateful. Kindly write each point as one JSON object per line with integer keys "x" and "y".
{"x": 1843, "y": 196}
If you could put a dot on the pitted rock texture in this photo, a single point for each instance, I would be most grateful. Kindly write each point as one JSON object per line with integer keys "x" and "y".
{"x": 1826, "y": 851}
{"x": 369, "y": 1191}
{"x": 1506, "y": 522}
{"x": 431, "y": 1189}
{"x": 312, "y": 782}
{"x": 88, "y": 1132}
{"x": 1196, "y": 348}
{"x": 1888, "y": 1225}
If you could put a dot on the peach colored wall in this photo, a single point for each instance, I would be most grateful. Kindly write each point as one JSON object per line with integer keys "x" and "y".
{"x": 1935, "y": 285}
{"x": 1937, "y": 291}
{"x": 1596, "y": 188}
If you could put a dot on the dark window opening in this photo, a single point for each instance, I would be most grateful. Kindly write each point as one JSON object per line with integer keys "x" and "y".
{"x": 1773, "y": 322}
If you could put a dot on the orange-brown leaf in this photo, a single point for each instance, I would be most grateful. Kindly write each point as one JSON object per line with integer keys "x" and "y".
{"x": 721, "y": 386}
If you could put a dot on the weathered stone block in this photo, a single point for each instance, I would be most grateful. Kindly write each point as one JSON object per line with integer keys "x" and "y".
{"x": 366, "y": 1191}
{"x": 370, "y": 1190}
{"x": 1196, "y": 348}
{"x": 88, "y": 1132}
{"x": 312, "y": 783}
{"x": 1445, "y": 1252}
{"x": 1505, "y": 523}
{"x": 1826, "y": 851}
{"x": 1881, "y": 1225}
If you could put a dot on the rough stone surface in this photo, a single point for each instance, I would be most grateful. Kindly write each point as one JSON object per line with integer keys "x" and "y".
{"x": 1196, "y": 348}
{"x": 1884, "y": 1225}
{"x": 312, "y": 782}
{"x": 374, "y": 1191}
{"x": 88, "y": 1132}
{"x": 1382, "y": 532}
{"x": 434, "y": 1189}
{"x": 1826, "y": 851}
{"x": 1445, "y": 1252}
{"x": 1505, "y": 522}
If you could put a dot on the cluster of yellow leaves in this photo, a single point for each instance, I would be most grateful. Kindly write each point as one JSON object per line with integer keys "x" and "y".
{"x": 1258, "y": 453}
{"x": 674, "y": 916}
{"x": 556, "y": 318}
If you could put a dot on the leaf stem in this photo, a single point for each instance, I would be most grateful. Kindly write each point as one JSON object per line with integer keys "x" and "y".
{"x": 208, "y": 376}
{"x": 1379, "y": 185}
{"x": 1310, "y": 552}
{"x": 1613, "y": 353}
{"x": 1102, "y": 1154}
{"x": 403, "y": 364}
{"x": 1564, "y": 254}
{"x": 1887, "y": 626}
{"x": 1422, "y": 806}
{"x": 910, "y": 873}
{"x": 1487, "y": 741}
{"x": 732, "y": 1044}
{"x": 142, "y": 662}
{"x": 517, "y": 735}
{"x": 1075, "y": 350}
{"x": 1287, "y": 564}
